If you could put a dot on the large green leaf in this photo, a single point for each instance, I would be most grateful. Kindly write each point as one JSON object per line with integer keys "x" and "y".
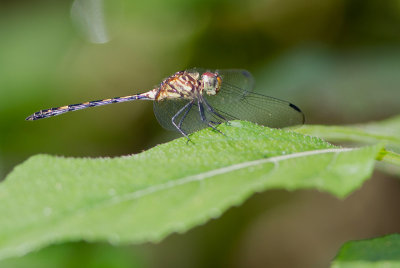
{"x": 378, "y": 252}
{"x": 170, "y": 188}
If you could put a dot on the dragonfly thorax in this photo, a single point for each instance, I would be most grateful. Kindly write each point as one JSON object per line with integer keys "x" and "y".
{"x": 182, "y": 85}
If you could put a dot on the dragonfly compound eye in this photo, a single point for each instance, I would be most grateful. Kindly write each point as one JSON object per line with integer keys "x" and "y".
{"x": 211, "y": 83}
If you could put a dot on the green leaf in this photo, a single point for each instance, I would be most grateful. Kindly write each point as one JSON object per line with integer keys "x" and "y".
{"x": 378, "y": 252}
{"x": 387, "y": 131}
{"x": 170, "y": 188}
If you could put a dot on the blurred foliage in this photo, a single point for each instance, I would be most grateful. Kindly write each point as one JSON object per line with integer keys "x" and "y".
{"x": 337, "y": 60}
{"x": 378, "y": 252}
{"x": 81, "y": 254}
{"x": 386, "y": 131}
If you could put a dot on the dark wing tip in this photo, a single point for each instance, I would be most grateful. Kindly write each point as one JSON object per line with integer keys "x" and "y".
{"x": 298, "y": 110}
{"x": 295, "y": 107}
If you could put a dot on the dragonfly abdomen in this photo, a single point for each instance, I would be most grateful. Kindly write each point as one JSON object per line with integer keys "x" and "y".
{"x": 79, "y": 106}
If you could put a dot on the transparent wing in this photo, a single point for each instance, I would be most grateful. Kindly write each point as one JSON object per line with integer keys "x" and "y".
{"x": 235, "y": 100}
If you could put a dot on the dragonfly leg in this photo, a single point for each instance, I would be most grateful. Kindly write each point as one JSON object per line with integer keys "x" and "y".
{"x": 178, "y": 127}
{"x": 203, "y": 117}
{"x": 212, "y": 110}
{"x": 184, "y": 115}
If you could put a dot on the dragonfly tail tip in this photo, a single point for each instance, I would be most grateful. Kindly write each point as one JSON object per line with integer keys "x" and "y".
{"x": 30, "y": 118}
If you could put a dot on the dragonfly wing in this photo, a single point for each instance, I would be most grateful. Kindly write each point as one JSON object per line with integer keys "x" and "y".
{"x": 241, "y": 79}
{"x": 237, "y": 103}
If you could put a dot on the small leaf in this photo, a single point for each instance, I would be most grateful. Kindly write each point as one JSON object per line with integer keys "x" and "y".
{"x": 170, "y": 188}
{"x": 378, "y": 252}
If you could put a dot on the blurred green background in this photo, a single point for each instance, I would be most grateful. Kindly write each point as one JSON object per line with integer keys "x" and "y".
{"x": 337, "y": 60}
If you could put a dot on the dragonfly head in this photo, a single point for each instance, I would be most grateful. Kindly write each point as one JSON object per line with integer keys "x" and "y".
{"x": 211, "y": 83}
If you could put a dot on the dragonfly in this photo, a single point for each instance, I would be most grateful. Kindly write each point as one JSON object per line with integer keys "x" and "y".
{"x": 190, "y": 100}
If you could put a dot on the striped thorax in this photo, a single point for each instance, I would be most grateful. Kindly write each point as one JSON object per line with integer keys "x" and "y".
{"x": 187, "y": 85}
